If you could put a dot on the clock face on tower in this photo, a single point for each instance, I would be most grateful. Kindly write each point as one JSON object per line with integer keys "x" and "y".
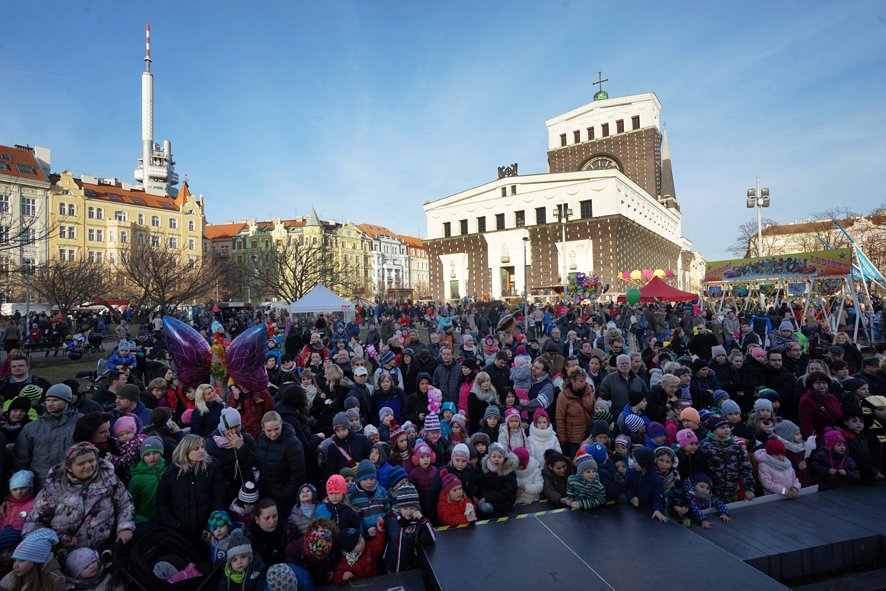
{"x": 600, "y": 163}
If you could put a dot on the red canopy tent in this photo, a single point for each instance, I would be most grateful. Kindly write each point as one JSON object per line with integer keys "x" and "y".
{"x": 659, "y": 291}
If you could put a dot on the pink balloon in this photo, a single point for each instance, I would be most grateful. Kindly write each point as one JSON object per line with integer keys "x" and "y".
{"x": 626, "y": 275}
{"x": 647, "y": 274}
{"x": 669, "y": 273}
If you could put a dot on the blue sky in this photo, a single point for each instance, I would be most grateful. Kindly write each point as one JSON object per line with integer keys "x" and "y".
{"x": 366, "y": 109}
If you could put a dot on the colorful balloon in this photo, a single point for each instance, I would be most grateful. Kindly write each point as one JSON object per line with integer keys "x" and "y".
{"x": 189, "y": 350}
{"x": 633, "y": 296}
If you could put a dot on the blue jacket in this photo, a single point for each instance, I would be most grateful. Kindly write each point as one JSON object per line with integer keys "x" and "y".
{"x": 116, "y": 359}
{"x": 647, "y": 488}
{"x": 370, "y": 505}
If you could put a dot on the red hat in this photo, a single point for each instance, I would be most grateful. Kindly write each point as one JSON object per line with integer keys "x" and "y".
{"x": 775, "y": 447}
{"x": 336, "y": 485}
{"x": 540, "y": 413}
{"x": 450, "y": 481}
{"x": 522, "y": 457}
{"x": 396, "y": 432}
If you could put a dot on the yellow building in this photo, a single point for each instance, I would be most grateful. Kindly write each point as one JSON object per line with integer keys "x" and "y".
{"x": 95, "y": 219}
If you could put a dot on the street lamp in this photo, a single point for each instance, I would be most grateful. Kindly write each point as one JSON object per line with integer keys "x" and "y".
{"x": 525, "y": 290}
{"x": 758, "y": 198}
{"x": 562, "y": 213}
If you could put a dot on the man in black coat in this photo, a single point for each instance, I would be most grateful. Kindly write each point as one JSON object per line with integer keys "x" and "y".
{"x": 499, "y": 373}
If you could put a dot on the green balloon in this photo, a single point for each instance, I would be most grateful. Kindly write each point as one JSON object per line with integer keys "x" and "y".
{"x": 633, "y": 296}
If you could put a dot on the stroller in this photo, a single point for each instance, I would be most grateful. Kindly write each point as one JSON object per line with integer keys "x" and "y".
{"x": 154, "y": 545}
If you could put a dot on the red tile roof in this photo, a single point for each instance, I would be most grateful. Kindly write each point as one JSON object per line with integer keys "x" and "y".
{"x": 12, "y": 158}
{"x": 216, "y": 231}
{"x": 412, "y": 241}
{"x": 373, "y": 230}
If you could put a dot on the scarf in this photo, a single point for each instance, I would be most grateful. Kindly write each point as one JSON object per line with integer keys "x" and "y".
{"x": 311, "y": 391}
{"x": 222, "y": 442}
{"x": 791, "y": 446}
{"x": 236, "y": 578}
{"x": 487, "y": 396}
{"x": 352, "y": 557}
{"x": 778, "y": 464}
{"x": 307, "y": 510}
{"x": 491, "y": 466}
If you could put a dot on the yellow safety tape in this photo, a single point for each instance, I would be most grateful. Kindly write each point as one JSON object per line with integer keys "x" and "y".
{"x": 503, "y": 519}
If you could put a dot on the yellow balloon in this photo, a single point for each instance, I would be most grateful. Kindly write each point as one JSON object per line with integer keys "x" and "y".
{"x": 636, "y": 274}
{"x": 659, "y": 273}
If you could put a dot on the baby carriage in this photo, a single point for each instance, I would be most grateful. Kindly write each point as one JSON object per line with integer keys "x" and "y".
{"x": 156, "y": 553}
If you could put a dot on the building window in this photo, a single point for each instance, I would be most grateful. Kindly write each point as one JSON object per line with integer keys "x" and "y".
{"x": 155, "y": 239}
{"x": 499, "y": 221}
{"x": 605, "y": 129}
{"x": 513, "y": 189}
{"x": 29, "y": 206}
{"x": 141, "y": 219}
{"x": 155, "y": 221}
{"x": 24, "y": 169}
{"x": 635, "y": 122}
{"x": 4, "y": 234}
{"x": 62, "y": 209}
{"x": 61, "y": 254}
{"x": 71, "y": 255}
{"x": 481, "y": 224}
{"x": 4, "y": 203}
{"x": 620, "y": 126}
{"x": 463, "y": 226}
{"x": 504, "y": 191}
{"x": 72, "y": 210}
{"x": 91, "y": 257}
{"x": 62, "y": 232}
{"x": 590, "y": 133}
{"x": 120, "y": 216}
{"x": 541, "y": 216}
{"x": 111, "y": 258}
{"x": 173, "y": 224}
{"x": 447, "y": 229}
{"x": 90, "y": 213}
{"x": 519, "y": 218}
{"x": 562, "y": 139}
{"x": 576, "y": 136}
{"x": 90, "y": 235}
{"x": 191, "y": 225}
{"x": 587, "y": 211}
{"x": 192, "y": 244}
{"x": 111, "y": 236}
{"x": 173, "y": 242}
{"x": 99, "y": 257}
{"x": 124, "y": 237}
{"x": 99, "y": 213}
{"x": 31, "y": 236}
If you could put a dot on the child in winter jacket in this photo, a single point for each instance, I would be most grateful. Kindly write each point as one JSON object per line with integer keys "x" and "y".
{"x": 496, "y": 490}
{"x": 128, "y": 445}
{"x": 360, "y": 559}
{"x": 244, "y": 569}
{"x": 85, "y": 571}
{"x": 644, "y": 486}
{"x": 831, "y": 465}
{"x": 401, "y": 448}
{"x": 446, "y": 414}
{"x": 857, "y": 444}
{"x": 727, "y": 464}
{"x": 521, "y": 377}
{"x": 305, "y": 509}
{"x": 795, "y": 449}
{"x": 610, "y": 476}
{"x": 698, "y": 488}
{"x": 458, "y": 429}
{"x": 18, "y": 504}
{"x": 219, "y": 528}
{"x": 775, "y": 471}
{"x": 460, "y": 467}
{"x": 666, "y": 467}
{"x": 378, "y": 455}
{"x": 405, "y": 530}
{"x": 423, "y": 471}
{"x": 453, "y": 506}
{"x": 491, "y": 423}
{"x": 15, "y": 418}
{"x": 584, "y": 487}
{"x": 37, "y": 568}
{"x": 121, "y": 357}
{"x": 529, "y": 479}
{"x": 335, "y": 507}
{"x": 145, "y": 479}
{"x": 558, "y": 468}
{"x": 541, "y": 436}
{"x": 434, "y": 438}
{"x": 368, "y": 498}
{"x": 512, "y": 436}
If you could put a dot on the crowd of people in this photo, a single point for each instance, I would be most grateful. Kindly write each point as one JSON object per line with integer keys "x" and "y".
{"x": 367, "y": 436}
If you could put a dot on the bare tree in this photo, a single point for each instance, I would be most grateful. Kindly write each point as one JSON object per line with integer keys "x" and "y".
{"x": 295, "y": 267}
{"x": 22, "y": 228}
{"x": 68, "y": 284}
{"x": 165, "y": 277}
{"x": 745, "y": 244}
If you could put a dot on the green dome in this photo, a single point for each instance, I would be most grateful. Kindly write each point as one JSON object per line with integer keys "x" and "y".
{"x": 601, "y": 95}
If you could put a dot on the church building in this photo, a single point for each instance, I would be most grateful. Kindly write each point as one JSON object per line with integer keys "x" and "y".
{"x": 607, "y": 204}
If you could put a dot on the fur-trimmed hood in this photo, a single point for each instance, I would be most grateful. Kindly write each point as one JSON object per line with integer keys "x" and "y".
{"x": 510, "y": 465}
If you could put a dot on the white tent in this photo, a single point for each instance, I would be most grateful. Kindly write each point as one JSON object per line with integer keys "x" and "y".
{"x": 319, "y": 300}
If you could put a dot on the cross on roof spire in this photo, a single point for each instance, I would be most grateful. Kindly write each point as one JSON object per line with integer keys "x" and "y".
{"x": 600, "y": 81}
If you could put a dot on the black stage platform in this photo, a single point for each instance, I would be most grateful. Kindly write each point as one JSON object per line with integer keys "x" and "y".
{"x": 618, "y": 547}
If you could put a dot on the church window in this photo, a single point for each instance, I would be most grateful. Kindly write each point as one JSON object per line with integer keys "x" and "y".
{"x": 605, "y": 129}
{"x": 576, "y": 136}
{"x": 562, "y": 139}
{"x": 463, "y": 226}
{"x": 587, "y": 210}
{"x": 520, "y": 218}
{"x": 513, "y": 189}
{"x": 620, "y": 126}
{"x": 541, "y": 216}
{"x": 600, "y": 163}
{"x": 499, "y": 221}
{"x": 504, "y": 191}
{"x": 481, "y": 224}
{"x": 447, "y": 229}
{"x": 590, "y": 133}
{"x": 635, "y": 122}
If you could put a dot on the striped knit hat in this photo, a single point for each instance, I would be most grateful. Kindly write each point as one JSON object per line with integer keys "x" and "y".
{"x": 407, "y": 496}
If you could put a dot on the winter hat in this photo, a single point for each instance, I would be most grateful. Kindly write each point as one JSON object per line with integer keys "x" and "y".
{"x": 832, "y": 437}
{"x": 409, "y": 426}
{"x": 280, "y": 577}
{"x": 396, "y": 432}
{"x": 786, "y": 430}
{"x": 37, "y": 547}
{"x": 717, "y": 421}
{"x": 762, "y": 404}
{"x": 340, "y": 420}
{"x": 699, "y": 477}
{"x": 656, "y": 430}
{"x": 78, "y": 560}
{"x": 311, "y": 488}
{"x": 351, "y": 402}
{"x": 699, "y": 364}
{"x": 602, "y": 414}
{"x": 123, "y": 346}
{"x": 238, "y": 545}
{"x": 385, "y": 411}
{"x": 77, "y": 450}
{"x": 21, "y": 479}
{"x": 719, "y": 395}
{"x": 218, "y": 519}
{"x": 125, "y": 424}
{"x": 9, "y": 537}
{"x": 150, "y": 445}
{"x": 851, "y": 385}
{"x": 704, "y": 414}
{"x": 422, "y": 449}
{"x": 644, "y": 457}
{"x": 492, "y": 411}
{"x": 365, "y": 470}
{"x": 634, "y": 423}
{"x": 349, "y": 538}
{"x": 449, "y": 481}
{"x": 786, "y": 325}
{"x": 387, "y": 357}
{"x": 768, "y": 394}
{"x": 875, "y": 401}
{"x": 230, "y": 418}
{"x": 128, "y": 392}
{"x": 598, "y": 452}
{"x": 623, "y": 440}
{"x": 599, "y": 428}
{"x": 521, "y": 350}
{"x": 319, "y": 540}
{"x": 511, "y": 412}
{"x": 432, "y": 422}
{"x": 348, "y": 472}
{"x": 248, "y": 494}
{"x": 774, "y": 447}
{"x": 370, "y": 430}
{"x": 717, "y": 350}
{"x": 480, "y": 438}
{"x": 336, "y": 485}
{"x": 396, "y": 475}
{"x": 352, "y": 413}
{"x": 685, "y": 437}
{"x": 459, "y": 419}
{"x": 496, "y": 446}
{"x": 635, "y": 398}
{"x": 522, "y": 457}
{"x": 461, "y": 451}
{"x": 664, "y": 450}
{"x": 34, "y": 393}
{"x": 729, "y": 407}
{"x": 690, "y": 414}
{"x": 63, "y": 392}
{"x": 583, "y": 461}
{"x": 407, "y": 496}
{"x": 20, "y": 403}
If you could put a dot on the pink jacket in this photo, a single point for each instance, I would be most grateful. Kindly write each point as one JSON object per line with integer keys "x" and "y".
{"x": 774, "y": 481}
